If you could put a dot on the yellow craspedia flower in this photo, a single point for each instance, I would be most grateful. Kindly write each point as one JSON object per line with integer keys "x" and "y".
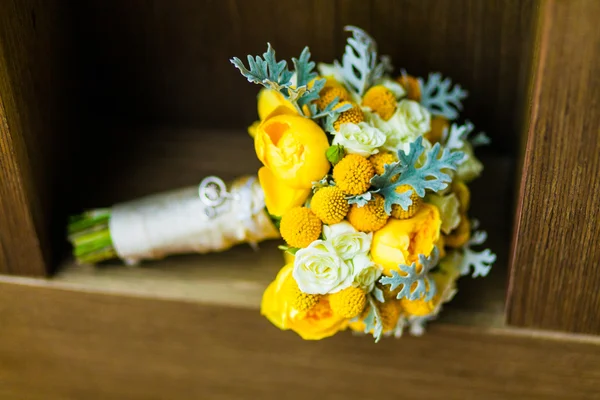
{"x": 297, "y": 298}
{"x": 269, "y": 100}
{"x": 330, "y": 92}
{"x": 370, "y": 217}
{"x": 411, "y": 85}
{"x": 300, "y": 227}
{"x": 317, "y": 323}
{"x": 353, "y": 115}
{"x": 348, "y": 303}
{"x": 330, "y": 205}
{"x": 461, "y": 235}
{"x": 401, "y": 241}
{"x": 353, "y": 174}
{"x": 390, "y": 313}
{"x": 381, "y": 100}
{"x": 397, "y": 210}
{"x": 438, "y": 125}
{"x": 380, "y": 159}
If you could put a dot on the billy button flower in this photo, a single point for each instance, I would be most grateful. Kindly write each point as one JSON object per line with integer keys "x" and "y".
{"x": 390, "y": 313}
{"x": 411, "y": 85}
{"x": 330, "y": 205}
{"x": 300, "y": 227}
{"x": 297, "y": 298}
{"x": 353, "y": 115}
{"x": 380, "y": 159}
{"x": 397, "y": 210}
{"x": 370, "y": 217}
{"x": 348, "y": 303}
{"x": 330, "y": 92}
{"x": 353, "y": 174}
{"x": 381, "y": 100}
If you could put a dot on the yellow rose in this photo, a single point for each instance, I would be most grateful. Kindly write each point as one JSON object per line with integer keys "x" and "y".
{"x": 292, "y": 149}
{"x": 269, "y": 100}
{"x": 317, "y": 323}
{"x": 401, "y": 241}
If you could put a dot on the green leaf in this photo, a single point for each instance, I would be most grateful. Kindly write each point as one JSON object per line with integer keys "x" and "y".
{"x": 482, "y": 261}
{"x": 335, "y": 153}
{"x": 331, "y": 111}
{"x": 425, "y": 286}
{"x": 304, "y": 68}
{"x": 360, "y": 199}
{"x": 373, "y": 321}
{"x": 359, "y": 65}
{"x": 266, "y": 71}
{"x": 378, "y": 295}
{"x": 440, "y": 98}
{"x": 288, "y": 249}
{"x": 428, "y": 176}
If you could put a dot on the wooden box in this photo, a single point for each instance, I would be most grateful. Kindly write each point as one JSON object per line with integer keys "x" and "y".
{"x": 104, "y": 101}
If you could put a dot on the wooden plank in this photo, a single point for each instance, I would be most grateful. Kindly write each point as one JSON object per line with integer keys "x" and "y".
{"x": 57, "y": 344}
{"x": 556, "y": 251}
{"x": 31, "y": 97}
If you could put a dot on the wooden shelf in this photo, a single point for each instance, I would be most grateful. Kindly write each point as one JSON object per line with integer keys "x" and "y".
{"x": 238, "y": 277}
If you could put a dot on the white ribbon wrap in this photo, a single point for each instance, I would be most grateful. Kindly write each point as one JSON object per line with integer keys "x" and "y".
{"x": 196, "y": 219}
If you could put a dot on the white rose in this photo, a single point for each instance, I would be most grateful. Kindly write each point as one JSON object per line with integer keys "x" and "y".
{"x": 449, "y": 207}
{"x": 410, "y": 121}
{"x": 471, "y": 167}
{"x": 362, "y": 138}
{"x": 318, "y": 269}
{"x": 347, "y": 241}
{"x": 366, "y": 272}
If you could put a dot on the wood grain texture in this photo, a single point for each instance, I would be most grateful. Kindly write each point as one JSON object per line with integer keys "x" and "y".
{"x": 556, "y": 254}
{"x": 31, "y": 100}
{"x": 57, "y": 344}
{"x": 167, "y": 62}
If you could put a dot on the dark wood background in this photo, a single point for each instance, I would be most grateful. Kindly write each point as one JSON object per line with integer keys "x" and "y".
{"x": 166, "y": 62}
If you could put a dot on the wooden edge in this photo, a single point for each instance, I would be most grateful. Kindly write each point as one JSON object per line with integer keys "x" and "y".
{"x": 58, "y": 344}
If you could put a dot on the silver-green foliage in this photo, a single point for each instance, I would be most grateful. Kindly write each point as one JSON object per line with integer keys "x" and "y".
{"x": 359, "y": 66}
{"x": 425, "y": 287}
{"x": 440, "y": 97}
{"x": 428, "y": 176}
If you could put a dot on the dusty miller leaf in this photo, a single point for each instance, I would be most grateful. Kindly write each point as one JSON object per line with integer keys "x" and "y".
{"x": 428, "y": 176}
{"x": 378, "y": 294}
{"x": 361, "y": 199}
{"x": 327, "y": 180}
{"x": 330, "y": 111}
{"x": 359, "y": 65}
{"x": 440, "y": 98}
{"x": 266, "y": 71}
{"x": 481, "y": 139}
{"x": 425, "y": 286}
{"x": 481, "y": 262}
{"x": 304, "y": 68}
{"x": 373, "y": 321}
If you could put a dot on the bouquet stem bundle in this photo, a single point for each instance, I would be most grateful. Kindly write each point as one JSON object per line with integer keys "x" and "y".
{"x": 210, "y": 217}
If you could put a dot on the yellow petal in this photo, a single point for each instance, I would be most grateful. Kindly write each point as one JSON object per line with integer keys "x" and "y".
{"x": 253, "y": 128}
{"x": 279, "y": 198}
{"x": 269, "y": 100}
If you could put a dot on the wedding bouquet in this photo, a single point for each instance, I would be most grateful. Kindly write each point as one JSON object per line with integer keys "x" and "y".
{"x": 366, "y": 177}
